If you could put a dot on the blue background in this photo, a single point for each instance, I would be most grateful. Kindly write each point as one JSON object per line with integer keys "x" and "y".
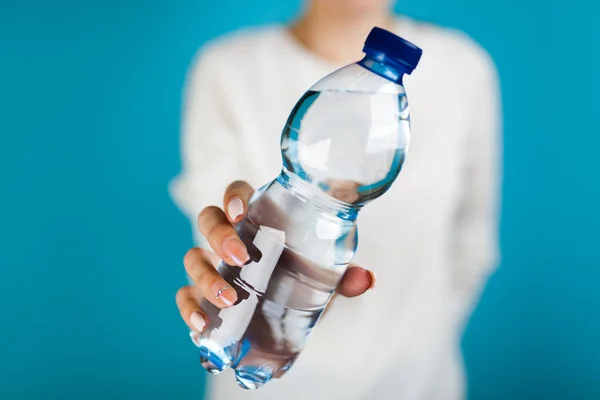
{"x": 91, "y": 244}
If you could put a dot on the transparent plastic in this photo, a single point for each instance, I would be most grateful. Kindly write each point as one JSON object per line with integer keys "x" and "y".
{"x": 343, "y": 145}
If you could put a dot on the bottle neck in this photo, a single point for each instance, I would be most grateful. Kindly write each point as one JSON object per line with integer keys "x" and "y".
{"x": 322, "y": 201}
{"x": 378, "y": 64}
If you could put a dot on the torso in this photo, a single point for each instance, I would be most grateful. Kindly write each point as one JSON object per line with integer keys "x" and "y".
{"x": 403, "y": 236}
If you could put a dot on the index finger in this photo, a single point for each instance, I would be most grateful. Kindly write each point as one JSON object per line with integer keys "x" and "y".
{"x": 235, "y": 201}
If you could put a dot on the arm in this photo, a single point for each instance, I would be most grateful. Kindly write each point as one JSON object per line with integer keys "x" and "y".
{"x": 475, "y": 246}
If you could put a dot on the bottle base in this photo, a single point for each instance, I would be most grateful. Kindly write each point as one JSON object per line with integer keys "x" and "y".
{"x": 252, "y": 367}
{"x": 213, "y": 358}
{"x": 252, "y": 377}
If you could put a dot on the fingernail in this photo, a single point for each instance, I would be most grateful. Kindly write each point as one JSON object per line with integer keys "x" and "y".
{"x": 225, "y": 293}
{"x": 198, "y": 321}
{"x": 235, "y": 208}
{"x": 236, "y": 250}
{"x": 373, "y": 279}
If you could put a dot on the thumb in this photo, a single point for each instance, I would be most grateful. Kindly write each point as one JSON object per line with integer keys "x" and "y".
{"x": 356, "y": 281}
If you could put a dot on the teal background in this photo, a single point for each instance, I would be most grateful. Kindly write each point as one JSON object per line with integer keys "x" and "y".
{"x": 91, "y": 244}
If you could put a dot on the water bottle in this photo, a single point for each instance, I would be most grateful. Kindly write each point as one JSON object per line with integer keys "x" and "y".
{"x": 343, "y": 145}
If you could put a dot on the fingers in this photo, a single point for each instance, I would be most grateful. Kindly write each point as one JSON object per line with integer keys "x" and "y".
{"x": 189, "y": 308}
{"x": 221, "y": 236}
{"x": 236, "y": 200}
{"x": 356, "y": 281}
{"x": 211, "y": 285}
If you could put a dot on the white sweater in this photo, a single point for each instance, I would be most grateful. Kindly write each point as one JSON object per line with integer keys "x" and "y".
{"x": 431, "y": 238}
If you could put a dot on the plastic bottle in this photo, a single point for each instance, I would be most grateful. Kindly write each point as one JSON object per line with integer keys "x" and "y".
{"x": 343, "y": 145}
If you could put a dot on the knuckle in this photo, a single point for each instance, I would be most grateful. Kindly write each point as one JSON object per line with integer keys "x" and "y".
{"x": 207, "y": 213}
{"x": 220, "y": 231}
{"x": 235, "y": 185}
{"x": 240, "y": 188}
{"x": 201, "y": 277}
{"x": 198, "y": 266}
{"x": 181, "y": 295}
{"x": 191, "y": 257}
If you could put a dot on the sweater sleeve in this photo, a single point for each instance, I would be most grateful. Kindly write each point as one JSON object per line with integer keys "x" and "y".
{"x": 475, "y": 237}
{"x": 210, "y": 145}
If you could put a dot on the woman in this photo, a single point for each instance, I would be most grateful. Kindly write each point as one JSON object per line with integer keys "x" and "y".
{"x": 431, "y": 238}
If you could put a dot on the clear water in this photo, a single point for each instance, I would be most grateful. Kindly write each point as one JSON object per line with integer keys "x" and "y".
{"x": 342, "y": 146}
{"x": 281, "y": 295}
{"x": 350, "y": 144}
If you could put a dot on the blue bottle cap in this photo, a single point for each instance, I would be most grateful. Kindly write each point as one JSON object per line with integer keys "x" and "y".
{"x": 384, "y": 46}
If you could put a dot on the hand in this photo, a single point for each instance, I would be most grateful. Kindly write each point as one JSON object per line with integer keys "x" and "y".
{"x": 218, "y": 229}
